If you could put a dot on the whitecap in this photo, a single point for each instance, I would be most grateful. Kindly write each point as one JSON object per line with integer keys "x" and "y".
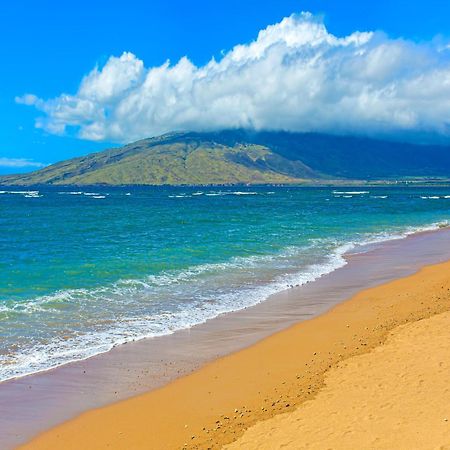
{"x": 351, "y": 192}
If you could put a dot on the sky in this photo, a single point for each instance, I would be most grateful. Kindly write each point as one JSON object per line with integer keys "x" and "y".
{"x": 78, "y": 77}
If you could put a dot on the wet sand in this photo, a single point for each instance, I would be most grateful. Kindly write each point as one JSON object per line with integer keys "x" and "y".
{"x": 214, "y": 405}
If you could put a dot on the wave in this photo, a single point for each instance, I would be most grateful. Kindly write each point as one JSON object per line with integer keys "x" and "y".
{"x": 60, "y": 351}
{"x": 87, "y": 194}
{"x": 351, "y": 192}
{"x": 33, "y": 196}
{"x": 27, "y": 194}
{"x": 120, "y": 313}
{"x": 218, "y": 194}
{"x": 434, "y": 197}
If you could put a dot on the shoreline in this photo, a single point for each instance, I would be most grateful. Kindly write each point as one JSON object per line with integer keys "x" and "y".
{"x": 420, "y": 259}
{"x": 65, "y": 392}
{"x": 277, "y": 268}
{"x": 336, "y": 260}
{"x": 214, "y": 405}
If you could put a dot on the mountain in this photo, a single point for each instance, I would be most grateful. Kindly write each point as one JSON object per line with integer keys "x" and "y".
{"x": 239, "y": 156}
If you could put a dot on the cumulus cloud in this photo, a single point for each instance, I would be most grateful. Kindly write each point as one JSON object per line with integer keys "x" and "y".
{"x": 19, "y": 163}
{"x": 294, "y": 76}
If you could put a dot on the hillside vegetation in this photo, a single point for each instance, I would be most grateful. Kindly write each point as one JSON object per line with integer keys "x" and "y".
{"x": 234, "y": 157}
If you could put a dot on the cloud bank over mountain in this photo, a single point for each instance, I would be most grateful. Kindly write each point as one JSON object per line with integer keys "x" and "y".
{"x": 294, "y": 76}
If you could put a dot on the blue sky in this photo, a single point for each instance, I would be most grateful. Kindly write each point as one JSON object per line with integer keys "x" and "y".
{"x": 47, "y": 48}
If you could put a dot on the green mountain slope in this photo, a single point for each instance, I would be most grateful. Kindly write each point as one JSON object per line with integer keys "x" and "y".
{"x": 233, "y": 157}
{"x": 172, "y": 160}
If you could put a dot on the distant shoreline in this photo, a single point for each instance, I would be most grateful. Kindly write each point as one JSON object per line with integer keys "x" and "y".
{"x": 405, "y": 182}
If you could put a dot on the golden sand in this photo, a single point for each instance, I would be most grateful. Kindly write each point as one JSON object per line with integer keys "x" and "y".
{"x": 403, "y": 398}
{"x": 395, "y": 397}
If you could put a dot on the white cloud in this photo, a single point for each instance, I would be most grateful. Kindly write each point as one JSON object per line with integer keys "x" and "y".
{"x": 27, "y": 99}
{"x": 294, "y": 76}
{"x": 19, "y": 162}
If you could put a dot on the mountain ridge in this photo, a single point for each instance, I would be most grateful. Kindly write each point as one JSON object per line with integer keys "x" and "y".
{"x": 244, "y": 157}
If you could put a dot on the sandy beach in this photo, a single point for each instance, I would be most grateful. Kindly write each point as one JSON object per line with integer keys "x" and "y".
{"x": 394, "y": 397}
{"x": 284, "y": 376}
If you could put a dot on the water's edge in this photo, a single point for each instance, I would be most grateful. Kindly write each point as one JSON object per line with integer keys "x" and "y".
{"x": 95, "y": 345}
{"x": 37, "y": 402}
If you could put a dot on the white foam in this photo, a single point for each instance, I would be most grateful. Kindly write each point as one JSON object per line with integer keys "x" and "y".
{"x": 351, "y": 192}
{"x": 201, "y": 306}
{"x": 28, "y": 194}
{"x": 87, "y": 194}
{"x": 60, "y": 351}
{"x": 223, "y": 193}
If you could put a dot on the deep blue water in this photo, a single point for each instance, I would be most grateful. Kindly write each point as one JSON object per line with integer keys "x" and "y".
{"x": 83, "y": 269}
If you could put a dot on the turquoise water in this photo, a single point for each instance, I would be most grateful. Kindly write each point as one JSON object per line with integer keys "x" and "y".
{"x": 82, "y": 270}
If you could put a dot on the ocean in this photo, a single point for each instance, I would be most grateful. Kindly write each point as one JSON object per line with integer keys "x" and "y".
{"x": 85, "y": 269}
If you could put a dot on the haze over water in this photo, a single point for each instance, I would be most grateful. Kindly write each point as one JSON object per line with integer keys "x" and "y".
{"x": 85, "y": 269}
